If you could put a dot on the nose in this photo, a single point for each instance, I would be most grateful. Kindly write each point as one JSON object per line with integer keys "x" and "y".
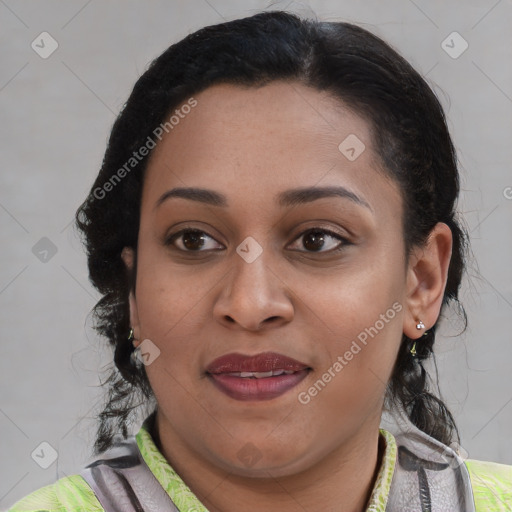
{"x": 253, "y": 296}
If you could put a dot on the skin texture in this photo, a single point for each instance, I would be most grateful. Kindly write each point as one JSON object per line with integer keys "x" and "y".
{"x": 250, "y": 144}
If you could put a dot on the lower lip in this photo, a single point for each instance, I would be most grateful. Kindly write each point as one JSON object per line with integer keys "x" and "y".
{"x": 250, "y": 389}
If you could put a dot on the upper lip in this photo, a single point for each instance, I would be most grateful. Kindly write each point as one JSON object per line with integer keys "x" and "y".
{"x": 263, "y": 362}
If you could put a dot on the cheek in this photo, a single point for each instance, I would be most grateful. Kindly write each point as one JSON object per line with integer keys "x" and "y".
{"x": 351, "y": 386}
{"x": 170, "y": 298}
{"x": 172, "y": 310}
{"x": 361, "y": 321}
{"x": 368, "y": 291}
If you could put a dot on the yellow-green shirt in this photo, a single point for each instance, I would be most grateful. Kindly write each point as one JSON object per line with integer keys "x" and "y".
{"x": 491, "y": 483}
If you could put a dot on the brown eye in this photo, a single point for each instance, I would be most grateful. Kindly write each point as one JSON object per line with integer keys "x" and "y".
{"x": 193, "y": 240}
{"x": 321, "y": 240}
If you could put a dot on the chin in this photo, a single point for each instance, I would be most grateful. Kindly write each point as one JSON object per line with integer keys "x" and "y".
{"x": 251, "y": 460}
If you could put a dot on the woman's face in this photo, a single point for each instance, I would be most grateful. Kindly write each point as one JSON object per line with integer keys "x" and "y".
{"x": 262, "y": 263}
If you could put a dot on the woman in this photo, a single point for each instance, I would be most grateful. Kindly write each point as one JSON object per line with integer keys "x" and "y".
{"x": 274, "y": 234}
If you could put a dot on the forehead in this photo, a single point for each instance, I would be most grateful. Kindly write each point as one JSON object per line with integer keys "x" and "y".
{"x": 251, "y": 143}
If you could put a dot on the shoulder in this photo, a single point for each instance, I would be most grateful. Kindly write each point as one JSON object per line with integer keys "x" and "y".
{"x": 69, "y": 494}
{"x": 492, "y": 485}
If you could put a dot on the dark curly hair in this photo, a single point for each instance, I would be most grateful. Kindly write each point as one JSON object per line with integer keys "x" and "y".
{"x": 409, "y": 134}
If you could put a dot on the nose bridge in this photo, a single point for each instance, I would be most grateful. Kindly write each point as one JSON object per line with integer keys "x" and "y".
{"x": 251, "y": 278}
{"x": 252, "y": 293}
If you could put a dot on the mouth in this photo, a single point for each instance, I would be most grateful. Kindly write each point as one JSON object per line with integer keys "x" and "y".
{"x": 261, "y": 377}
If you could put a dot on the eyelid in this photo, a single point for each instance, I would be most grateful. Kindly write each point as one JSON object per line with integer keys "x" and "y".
{"x": 343, "y": 240}
{"x": 170, "y": 239}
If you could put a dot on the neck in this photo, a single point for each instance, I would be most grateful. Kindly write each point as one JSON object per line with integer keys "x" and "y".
{"x": 341, "y": 481}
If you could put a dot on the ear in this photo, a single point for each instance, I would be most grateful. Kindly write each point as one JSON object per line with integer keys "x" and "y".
{"x": 426, "y": 280}
{"x": 127, "y": 256}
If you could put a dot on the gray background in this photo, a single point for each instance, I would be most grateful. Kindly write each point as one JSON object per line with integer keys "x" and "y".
{"x": 56, "y": 114}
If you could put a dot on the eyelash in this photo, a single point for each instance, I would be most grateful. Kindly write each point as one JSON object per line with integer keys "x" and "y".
{"x": 343, "y": 241}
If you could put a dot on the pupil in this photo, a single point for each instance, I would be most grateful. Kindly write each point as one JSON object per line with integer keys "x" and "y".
{"x": 191, "y": 240}
{"x": 312, "y": 240}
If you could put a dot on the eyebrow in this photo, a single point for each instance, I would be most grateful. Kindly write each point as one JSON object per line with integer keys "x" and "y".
{"x": 288, "y": 198}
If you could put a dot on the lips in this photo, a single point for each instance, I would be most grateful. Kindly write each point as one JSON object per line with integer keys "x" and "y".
{"x": 260, "y": 377}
